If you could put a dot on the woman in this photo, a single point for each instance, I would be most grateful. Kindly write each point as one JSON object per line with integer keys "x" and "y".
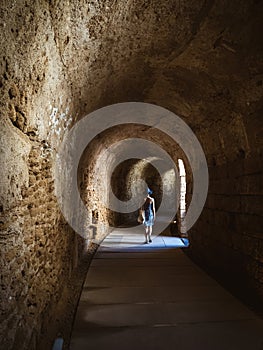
{"x": 148, "y": 213}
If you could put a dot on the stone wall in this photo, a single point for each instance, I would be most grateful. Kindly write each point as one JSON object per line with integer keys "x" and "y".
{"x": 227, "y": 239}
{"x": 35, "y": 243}
{"x": 62, "y": 59}
{"x": 38, "y": 251}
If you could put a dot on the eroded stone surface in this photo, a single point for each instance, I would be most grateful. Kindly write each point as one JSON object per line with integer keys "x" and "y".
{"x": 61, "y": 60}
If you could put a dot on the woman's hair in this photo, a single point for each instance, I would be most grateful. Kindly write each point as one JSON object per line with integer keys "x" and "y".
{"x": 149, "y": 191}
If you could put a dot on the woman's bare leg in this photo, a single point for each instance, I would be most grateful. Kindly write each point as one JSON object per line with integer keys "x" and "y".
{"x": 146, "y": 234}
{"x": 150, "y": 233}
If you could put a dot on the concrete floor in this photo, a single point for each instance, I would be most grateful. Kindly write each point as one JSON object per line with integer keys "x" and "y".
{"x": 154, "y": 297}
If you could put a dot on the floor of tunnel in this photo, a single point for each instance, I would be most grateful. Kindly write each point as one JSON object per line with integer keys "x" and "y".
{"x": 151, "y": 296}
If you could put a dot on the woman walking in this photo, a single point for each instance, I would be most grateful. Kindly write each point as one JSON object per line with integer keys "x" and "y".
{"x": 148, "y": 213}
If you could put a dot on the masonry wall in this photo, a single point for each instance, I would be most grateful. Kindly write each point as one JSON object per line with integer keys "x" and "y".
{"x": 36, "y": 244}
{"x": 38, "y": 251}
{"x": 227, "y": 238}
{"x": 62, "y": 59}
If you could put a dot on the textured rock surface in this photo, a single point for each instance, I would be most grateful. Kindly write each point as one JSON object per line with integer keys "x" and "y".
{"x": 62, "y": 59}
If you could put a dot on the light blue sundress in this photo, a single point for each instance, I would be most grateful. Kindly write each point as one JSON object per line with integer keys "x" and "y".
{"x": 148, "y": 212}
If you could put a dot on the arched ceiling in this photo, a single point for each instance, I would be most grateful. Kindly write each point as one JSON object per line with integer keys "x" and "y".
{"x": 199, "y": 59}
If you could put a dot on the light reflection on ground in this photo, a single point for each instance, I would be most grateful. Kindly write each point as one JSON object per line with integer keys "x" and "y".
{"x": 119, "y": 240}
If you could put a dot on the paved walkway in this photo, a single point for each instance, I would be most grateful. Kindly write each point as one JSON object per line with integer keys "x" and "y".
{"x": 153, "y": 297}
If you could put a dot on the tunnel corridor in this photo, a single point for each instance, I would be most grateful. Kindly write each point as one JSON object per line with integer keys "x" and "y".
{"x": 62, "y": 64}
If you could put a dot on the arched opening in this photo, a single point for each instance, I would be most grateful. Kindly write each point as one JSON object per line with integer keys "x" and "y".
{"x": 60, "y": 61}
{"x": 182, "y": 204}
{"x": 101, "y": 171}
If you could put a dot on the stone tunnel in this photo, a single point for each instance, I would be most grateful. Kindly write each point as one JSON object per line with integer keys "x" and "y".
{"x": 62, "y": 60}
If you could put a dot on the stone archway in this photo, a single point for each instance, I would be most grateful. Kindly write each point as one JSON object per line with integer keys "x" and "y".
{"x": 61, "y": 60}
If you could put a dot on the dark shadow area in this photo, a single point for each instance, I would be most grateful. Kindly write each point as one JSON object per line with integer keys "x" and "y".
{"x": 235, "y": 282}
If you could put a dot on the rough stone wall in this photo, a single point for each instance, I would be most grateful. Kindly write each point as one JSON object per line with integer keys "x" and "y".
{"x": 228, "y": 236}
{"x": 37, "y": 246}
{"x": 125, "y": 176}
{"x": 62, "y": 59}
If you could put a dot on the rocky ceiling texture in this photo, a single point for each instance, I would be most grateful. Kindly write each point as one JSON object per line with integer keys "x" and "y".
{"x": 60, "y": 60}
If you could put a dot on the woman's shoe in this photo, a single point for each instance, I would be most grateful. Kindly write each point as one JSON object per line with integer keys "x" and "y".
{"x": 150, "y": 241}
